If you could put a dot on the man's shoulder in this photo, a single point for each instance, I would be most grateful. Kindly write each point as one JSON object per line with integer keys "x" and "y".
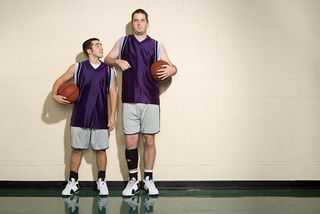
{"x": 152, "y": 38}
{"x": 125, "y": 37}
{"x": 106, "y": 67}
{"x": 83, "y": 62}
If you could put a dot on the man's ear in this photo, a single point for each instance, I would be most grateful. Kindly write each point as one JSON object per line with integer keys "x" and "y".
{"x": 89, "y": 51}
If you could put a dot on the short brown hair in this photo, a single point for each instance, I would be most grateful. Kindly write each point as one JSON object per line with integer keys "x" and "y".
{"x": 140, "y": 11}
{"x": 88, "y": 45}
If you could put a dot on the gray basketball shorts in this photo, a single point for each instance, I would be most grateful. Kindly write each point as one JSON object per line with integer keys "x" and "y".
{"x": 82, "y": 137}
{"x": 141, "y": 118}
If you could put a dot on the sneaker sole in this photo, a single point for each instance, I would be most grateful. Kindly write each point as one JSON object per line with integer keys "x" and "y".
{"x": 152, "y": 195}
{"x": 71, "y": 194}
{"x": 103, "y": 194}
{"x": 128, "y": 196}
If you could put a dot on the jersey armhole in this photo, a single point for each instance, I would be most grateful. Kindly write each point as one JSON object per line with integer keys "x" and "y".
{"x": 77, "y": 70}
{"x": 123, "y": 41}
{"x": 112, "y": 75}
{"x": 157, "y": 51}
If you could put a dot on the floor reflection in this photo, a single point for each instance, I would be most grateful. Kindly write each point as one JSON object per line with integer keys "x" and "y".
{"x": 169, "y": 201}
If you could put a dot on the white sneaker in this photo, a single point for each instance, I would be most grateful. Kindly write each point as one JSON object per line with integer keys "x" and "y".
{"x": 71, "y": 188}
{"x": 102, "y": 187}
{"x": 150, "y": 187}
{"x": 131, "y": 188}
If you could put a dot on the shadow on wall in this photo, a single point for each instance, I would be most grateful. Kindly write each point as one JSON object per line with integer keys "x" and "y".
{"x": 54, "y": 112}
{"x": 120, "y": 141}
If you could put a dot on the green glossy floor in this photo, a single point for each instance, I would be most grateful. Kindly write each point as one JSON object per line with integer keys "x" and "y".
{"x": 169, "y": 201}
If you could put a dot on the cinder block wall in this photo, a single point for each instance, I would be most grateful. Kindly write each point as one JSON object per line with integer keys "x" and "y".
{"x": 244, "y": 105}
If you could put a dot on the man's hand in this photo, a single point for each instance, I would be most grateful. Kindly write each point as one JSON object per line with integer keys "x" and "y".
{"x": 60, "y": 99}
{"x": 111, "y": 123}
{"x": 166, "y": 71}
{"x": 123, "y": 64}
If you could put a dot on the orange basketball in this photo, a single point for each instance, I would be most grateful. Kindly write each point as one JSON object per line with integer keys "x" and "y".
{"x": 155, "y": 67}
{"x": 70, "y": 91}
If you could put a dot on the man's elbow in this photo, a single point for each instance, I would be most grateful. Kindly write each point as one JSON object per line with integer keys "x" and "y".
{"x": 107, "y": 60}
{"x": 175, "y": 70}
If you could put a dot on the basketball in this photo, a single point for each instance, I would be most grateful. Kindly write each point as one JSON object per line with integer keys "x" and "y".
{"x": 70, "y": 91}
{"x": 154, "y": 69}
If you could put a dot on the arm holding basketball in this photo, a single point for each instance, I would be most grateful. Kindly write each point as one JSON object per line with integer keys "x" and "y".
{"x": 166, "y": 70}
{"x": 113, "y": 103}
{"x": 62, "y": 79}
{"x": 112, "y": 58}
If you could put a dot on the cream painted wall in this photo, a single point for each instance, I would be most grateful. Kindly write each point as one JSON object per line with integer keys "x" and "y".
{"x": 244, "y": 105}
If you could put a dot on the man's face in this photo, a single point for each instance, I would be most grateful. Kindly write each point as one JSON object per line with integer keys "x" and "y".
{"x": 96, "y": 49}
{"x": 139, "y": 24}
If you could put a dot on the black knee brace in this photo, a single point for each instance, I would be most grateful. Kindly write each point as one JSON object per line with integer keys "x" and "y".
{"x": 132, "y": 158}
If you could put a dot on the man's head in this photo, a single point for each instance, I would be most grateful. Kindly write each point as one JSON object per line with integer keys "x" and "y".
{"x": 93, "y": 47}
{"x": 142, "y": 11}
{"x": 139, "y": 21}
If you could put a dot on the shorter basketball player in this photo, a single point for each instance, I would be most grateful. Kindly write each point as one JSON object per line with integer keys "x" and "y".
{"x": 89, "y": 120}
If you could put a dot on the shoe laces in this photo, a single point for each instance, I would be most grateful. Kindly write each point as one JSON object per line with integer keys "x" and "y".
{"x": 102, "y": 183}
{"x": 71, "y": 182}
{"x": 132, "y": 181}
{"x": 150, "y": 183}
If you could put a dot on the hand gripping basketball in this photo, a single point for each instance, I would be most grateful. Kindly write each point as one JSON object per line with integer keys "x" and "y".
{"x": 70, "y": 91}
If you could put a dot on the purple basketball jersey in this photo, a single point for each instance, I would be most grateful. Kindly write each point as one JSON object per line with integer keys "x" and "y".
{"x": 137, "y": 83}
{"x": 91, "y": 109}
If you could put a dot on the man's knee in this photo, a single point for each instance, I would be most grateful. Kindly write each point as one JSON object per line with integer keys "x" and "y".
{"x": 132, "y": 141}
{"x": 149, "y": 140}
